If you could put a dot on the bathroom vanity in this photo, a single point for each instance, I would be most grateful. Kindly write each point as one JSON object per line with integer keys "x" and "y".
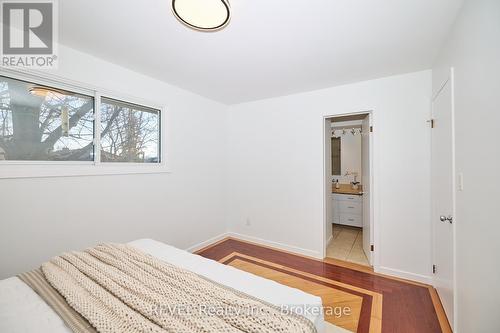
{"x": 347, "y": 205}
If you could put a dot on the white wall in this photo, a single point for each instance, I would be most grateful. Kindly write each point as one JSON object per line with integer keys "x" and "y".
{"x": 350, "y": 154}
{"x": 275, "y": 168}
{"x": 473, "y": 49}
{"x": 41, "y": 217}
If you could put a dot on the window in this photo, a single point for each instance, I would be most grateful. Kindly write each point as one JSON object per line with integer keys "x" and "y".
{"x": 39, "y": 123}
{"x": 129, "y": 132}
{"x": 49, "y": 128}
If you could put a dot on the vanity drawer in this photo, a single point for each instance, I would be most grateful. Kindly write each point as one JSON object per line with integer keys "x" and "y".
{"x": 351, "y": 207}
{"x": 335, "y": 211}
{"x": 348, "y": 197}
{"x": 352, "y": 220}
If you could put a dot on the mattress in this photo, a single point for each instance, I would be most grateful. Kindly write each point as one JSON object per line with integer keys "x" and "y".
{"x": 22, "y": 310}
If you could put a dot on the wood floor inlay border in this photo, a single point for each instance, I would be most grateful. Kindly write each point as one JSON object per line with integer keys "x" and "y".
{"x": 371, "y": 308}
{"x": 406, "y": 306}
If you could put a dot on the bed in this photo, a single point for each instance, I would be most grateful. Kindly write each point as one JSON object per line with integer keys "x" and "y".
{"x": 22, "y": 310}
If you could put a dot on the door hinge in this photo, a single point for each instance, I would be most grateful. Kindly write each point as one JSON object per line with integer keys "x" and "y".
{"x": 434, "y": 269}
{"x": 432, "y": 122}
{"x": 371, "y": 129}
{"x": 372, "y": 248}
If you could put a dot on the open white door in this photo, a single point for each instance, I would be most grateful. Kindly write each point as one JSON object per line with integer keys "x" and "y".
{"x": 328, "y": 184}
{"x": 366, "y": 147}
{"x": 443, "y": 198}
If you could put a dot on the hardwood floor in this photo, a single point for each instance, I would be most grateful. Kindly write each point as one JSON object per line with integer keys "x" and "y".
{"x": 377, "y": 303}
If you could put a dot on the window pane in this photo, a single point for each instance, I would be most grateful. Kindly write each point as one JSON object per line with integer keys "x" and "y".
{"x": 129, "y": 132}
{"x": 40, "y": 123}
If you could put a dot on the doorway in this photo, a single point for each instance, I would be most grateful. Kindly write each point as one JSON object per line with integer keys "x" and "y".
{"x": 348, "y": 184}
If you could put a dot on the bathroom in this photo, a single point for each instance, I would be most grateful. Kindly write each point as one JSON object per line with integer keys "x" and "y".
{"x": 350, "y": 237}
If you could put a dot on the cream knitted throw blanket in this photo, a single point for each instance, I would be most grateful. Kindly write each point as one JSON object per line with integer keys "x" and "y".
{"x": 117, "y": 288}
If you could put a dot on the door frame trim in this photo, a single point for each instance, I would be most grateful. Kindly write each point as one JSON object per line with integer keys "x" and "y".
{"x": 373, "y": 185}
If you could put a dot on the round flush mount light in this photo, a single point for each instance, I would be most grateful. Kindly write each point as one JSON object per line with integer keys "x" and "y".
{"x": 204, "y": 15}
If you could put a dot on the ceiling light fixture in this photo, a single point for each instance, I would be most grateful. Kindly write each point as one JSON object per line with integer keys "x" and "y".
{"x": 203, "y": 15}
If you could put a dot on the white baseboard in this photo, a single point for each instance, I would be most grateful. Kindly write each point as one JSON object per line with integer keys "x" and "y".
{"x": 306, "y": 252}
{"x": 403, "y": 274}
{"x": 203, "y": 244}
{"x": 265, "y": 242}
{"x": 277, "y": 245}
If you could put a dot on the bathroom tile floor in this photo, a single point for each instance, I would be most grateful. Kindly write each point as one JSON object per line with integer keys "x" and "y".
{"x": 347, "y": 245}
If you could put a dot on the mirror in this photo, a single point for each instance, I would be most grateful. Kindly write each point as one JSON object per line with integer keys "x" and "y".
{"x": 336, "y": 156}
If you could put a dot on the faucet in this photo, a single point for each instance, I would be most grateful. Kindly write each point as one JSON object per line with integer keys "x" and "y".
{"x": 355, "y": 174}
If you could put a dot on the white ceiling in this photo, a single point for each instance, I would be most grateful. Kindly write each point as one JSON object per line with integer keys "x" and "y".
{"x": 270, "y": 48}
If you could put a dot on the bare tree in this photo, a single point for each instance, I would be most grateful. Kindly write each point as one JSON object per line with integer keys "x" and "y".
{"x": 130, "y": 135}
{"x": 31, "y": 125}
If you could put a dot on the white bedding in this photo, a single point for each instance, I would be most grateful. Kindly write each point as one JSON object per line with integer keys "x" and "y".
{"x": 22, "y": 310}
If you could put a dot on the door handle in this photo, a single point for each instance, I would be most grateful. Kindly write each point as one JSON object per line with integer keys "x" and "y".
{"x": 443, "y": 218}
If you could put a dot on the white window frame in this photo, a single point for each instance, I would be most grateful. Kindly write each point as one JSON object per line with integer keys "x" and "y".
{"x": 34, "y": 169}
